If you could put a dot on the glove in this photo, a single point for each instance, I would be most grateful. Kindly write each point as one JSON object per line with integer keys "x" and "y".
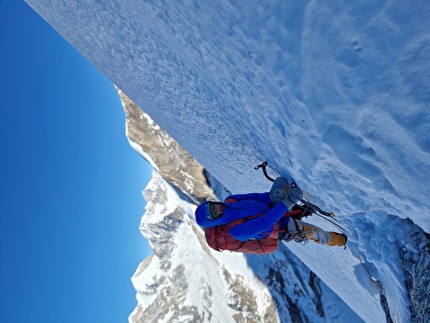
{"x": 279, "y": 190}
{"x": 294, "y": 196}
{"x": 278, "y": 194}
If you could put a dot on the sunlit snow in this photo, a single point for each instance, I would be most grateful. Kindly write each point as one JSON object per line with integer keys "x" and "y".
{"x": 333, "y": 93}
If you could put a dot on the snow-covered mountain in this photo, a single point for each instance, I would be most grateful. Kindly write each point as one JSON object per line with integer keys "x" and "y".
{"x": 185, "y": 281}
{"x": 335, "y": 94}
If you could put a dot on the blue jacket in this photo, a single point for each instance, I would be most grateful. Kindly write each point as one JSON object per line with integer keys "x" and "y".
{"x": 246, "y": 205}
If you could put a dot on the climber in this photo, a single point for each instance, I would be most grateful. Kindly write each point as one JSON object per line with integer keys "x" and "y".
{"x": 257, "y": 217}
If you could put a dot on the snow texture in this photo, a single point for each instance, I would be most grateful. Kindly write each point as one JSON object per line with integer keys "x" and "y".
{"x": 333, "y": 93}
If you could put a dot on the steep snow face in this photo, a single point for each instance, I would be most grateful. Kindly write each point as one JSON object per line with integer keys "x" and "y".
{"x": 332, "y": 93}
{"x": 335, "y": 94}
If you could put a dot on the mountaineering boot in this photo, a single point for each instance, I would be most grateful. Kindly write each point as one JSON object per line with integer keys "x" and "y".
{"x": 337, "y": 239}
{"x": 315, "y": 233}
{"x": 312, "y": 232}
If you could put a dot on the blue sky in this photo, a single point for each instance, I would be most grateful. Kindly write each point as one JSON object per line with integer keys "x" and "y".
{"x": 70, "y": 184}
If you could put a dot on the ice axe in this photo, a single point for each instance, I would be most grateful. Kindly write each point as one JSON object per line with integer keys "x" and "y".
{"x": 307, "y": 203}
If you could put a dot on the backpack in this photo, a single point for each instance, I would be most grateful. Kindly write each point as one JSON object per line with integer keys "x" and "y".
{"x": 219, "y": 239}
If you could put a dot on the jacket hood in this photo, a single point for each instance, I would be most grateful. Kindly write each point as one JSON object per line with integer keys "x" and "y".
{"x": 203, "y": 217}
{"x": 233, "y": 211}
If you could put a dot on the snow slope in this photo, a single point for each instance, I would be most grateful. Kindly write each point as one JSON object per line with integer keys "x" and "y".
{"x": 335, "y": 94}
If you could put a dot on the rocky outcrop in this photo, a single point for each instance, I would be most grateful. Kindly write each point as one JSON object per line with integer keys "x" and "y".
{"x": 172, "y": 161}
{"x": 416, "y": 264}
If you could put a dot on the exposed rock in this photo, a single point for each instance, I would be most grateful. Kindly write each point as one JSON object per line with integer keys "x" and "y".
{"x": 172, "y": 161}
{"x": 416, "y": 263}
